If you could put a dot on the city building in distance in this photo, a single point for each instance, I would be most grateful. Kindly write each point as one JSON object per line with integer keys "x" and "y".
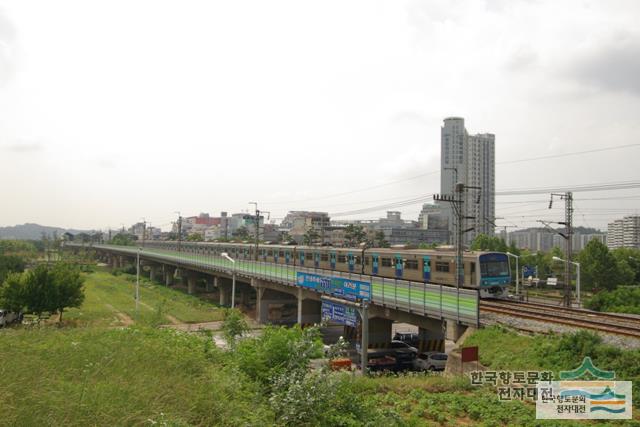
{"x": 624, "y": 233}
{"x": 470, "y": 160}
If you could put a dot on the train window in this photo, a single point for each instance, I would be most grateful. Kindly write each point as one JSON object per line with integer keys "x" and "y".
{"x": 324, "y": 257}
{"x": 309, "y": 255}
{"x": 473, "y": 267}
{"x": 342, "y": 258}
{"x": 386, "y": 262}
{"x": 366, "y": 261}
{"x": 442, "y": 267}
{"x": 411, "y": 264}
{"x": 281, "y": 253}
{"x": 357, "y": 259}
{"x": 270, "y": 253}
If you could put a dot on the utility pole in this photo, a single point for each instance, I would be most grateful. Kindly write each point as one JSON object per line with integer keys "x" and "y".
{"x": 257, "y": 225}
{"x": 457, "y": 202}
{"x": 144, "y": 230}
{"x": 179, "y": 231}
{"x": 568, "y": 236}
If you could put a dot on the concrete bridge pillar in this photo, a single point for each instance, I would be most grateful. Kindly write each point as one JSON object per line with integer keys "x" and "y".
{"x": 225, "y": 294}
{"x": 455, "y": 330}
{"x": 245, "y": 297}
{"x": 153, "y": 273}
{"x": 192, "y": 278}
{"x": 208, "y": 284}
{"x": 379, "y": 332}
{"x": 168, "y": 275}
{"x": 309, "y": 311}
{"x": 431, "y": 339}
{"x": 262, "y": 306}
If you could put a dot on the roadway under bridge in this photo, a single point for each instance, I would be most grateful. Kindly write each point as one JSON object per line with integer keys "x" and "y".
{"x": 273, "y": 292}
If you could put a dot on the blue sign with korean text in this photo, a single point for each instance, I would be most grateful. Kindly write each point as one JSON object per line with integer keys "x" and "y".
{"x": 528, "y": 271}
{"x": 339, "y": 313}
{"x": 336, "y": 286}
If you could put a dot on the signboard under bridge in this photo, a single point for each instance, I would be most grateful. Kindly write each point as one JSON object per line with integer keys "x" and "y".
{"x": 339, "y": 313}
{"x": 340, "y": 287}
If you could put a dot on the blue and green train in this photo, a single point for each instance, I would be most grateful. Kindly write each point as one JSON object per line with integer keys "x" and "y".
{"x": 487, "y": 271}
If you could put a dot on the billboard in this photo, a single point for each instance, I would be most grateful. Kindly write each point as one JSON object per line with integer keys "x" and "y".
{"x": 337, "y": 286}
{"x": 339, "y": 313}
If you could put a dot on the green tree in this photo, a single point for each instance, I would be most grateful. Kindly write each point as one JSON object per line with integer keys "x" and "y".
{"x": 380, "y": 240}
{"x": 44, "y": 289}
{"x": 11, "y": 264}
{"x": 195, "y": 237}
{"x": 233, "y": 326}
{"x": 67, "y": 283}
{"x": 310, "y": 237}
{"x": 354, "y": 235}
{"x": 38, "y": 292}
{"x": 122, "y": 239}
{"x": 12, "y": 292}
{"x": 628, "y": 260}
{"x": 482, "y": 242}
{"x": 598, "y": 267}
{"x": 241, "y": 233}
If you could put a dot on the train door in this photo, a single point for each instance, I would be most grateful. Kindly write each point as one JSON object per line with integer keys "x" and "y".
{"x": 302, "y": 258}
{"x": 399, "y": 266}
{"x": 375, "y": 263}
{"x": 426, "y": 268}
{"x": 316, "y": 260}
{"x": 332, "y": 259}
{"x": 352, "y": 262}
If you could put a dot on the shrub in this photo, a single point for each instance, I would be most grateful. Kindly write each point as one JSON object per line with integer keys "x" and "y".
{"x": 233, "y": 325}
{"x": 277, "y": 350}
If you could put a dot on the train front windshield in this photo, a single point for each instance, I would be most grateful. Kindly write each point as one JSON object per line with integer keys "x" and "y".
{"x": 494, "y": 269}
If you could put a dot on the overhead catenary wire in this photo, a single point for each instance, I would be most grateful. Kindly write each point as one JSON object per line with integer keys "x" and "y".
{"x": 607, "y": 186}
{"x": 530, "y": 159}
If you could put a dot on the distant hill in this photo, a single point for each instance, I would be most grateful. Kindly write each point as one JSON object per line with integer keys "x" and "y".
{"x": 33, "y": 231}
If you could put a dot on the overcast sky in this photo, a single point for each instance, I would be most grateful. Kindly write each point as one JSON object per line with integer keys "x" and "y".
{"x": 115, "y": 110}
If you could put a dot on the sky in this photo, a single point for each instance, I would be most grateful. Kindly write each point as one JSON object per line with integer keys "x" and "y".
{"x": 113, "y": 111}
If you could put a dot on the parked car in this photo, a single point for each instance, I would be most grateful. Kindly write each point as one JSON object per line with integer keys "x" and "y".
{"x": 8, "y": 317}
{"x": 410, "y": 338}
{"x": 397, "y": 344}
{"x": 404, "y": 354}
{"x": 430, "y": 361}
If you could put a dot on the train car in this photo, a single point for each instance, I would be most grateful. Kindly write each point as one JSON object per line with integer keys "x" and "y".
{"x": 487, "y": 271}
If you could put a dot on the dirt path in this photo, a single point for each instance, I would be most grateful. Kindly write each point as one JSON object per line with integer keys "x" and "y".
{"x": 169, "y": 317}
{"x": 189, "y": 327}
{"x": 125, "y": 319}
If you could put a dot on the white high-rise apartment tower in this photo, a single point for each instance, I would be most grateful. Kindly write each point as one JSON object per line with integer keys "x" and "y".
{"x": 468, "y": 159}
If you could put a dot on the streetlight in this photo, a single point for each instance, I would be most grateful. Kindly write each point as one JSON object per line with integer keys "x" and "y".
{"x": 233, "y": 278}
{"x": 517, "y": 272}
{"x": 137, "y": 280}
{"x": 577, "y": 264}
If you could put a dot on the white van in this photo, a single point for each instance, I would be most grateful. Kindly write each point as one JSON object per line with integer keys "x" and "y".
{"x": 8, "y": 317}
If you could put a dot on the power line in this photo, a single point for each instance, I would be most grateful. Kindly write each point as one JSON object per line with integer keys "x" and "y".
{"x": 575, "y": 153}
{"x": 551, "y": 156}
{"x": 609, "y": 186}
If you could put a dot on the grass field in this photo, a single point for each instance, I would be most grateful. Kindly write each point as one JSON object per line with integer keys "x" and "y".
{"x": 93, "y": 371}
{"x": 109, "y": 301}
{"x": 120, "y": 376}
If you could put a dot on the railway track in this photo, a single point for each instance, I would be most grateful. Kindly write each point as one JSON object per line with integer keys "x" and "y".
{"x": 604, "y": 322}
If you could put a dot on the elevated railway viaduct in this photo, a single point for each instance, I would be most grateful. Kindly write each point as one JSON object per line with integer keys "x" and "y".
{"x": 439, "y": 311}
